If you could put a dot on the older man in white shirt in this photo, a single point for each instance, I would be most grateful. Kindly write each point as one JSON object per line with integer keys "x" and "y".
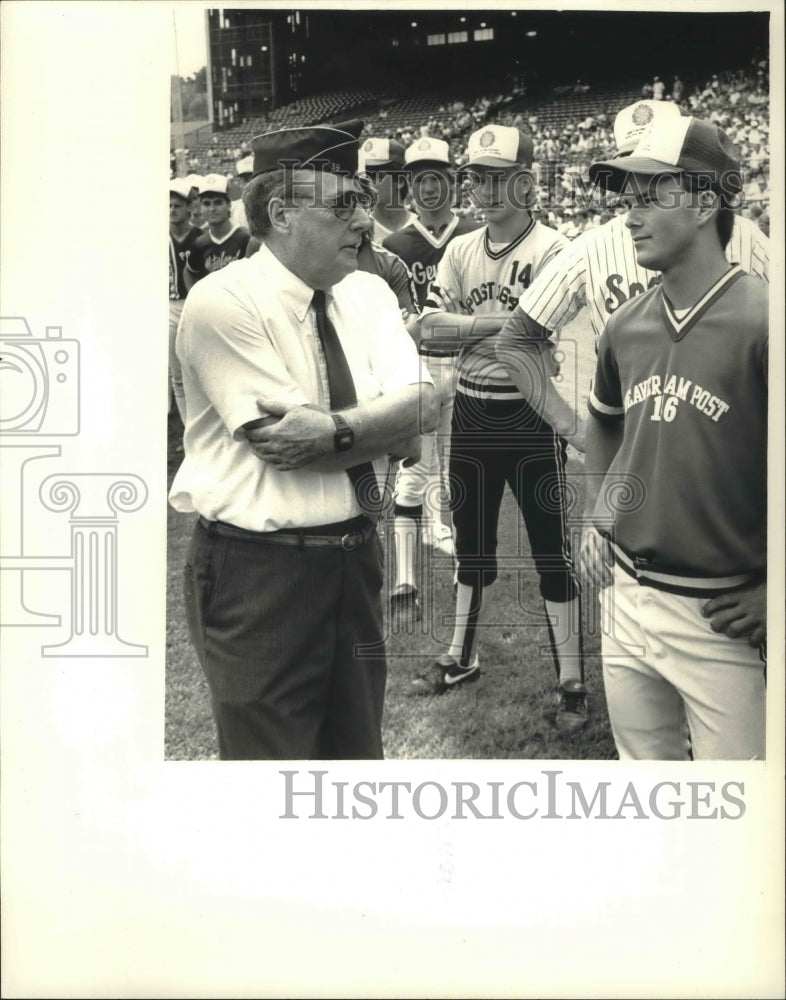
{"x": 299, "y": 374}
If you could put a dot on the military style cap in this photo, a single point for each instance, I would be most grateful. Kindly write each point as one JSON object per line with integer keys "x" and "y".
{"x": 330, "y": 148}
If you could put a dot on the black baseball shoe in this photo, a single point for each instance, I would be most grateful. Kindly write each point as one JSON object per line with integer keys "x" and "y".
{"x": 572, "y": 710}
{"x": 404, "y": 604}
{"x": 443, "y": 675}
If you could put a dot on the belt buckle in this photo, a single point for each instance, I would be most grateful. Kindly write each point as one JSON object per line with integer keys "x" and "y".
{"x": 351, "y": 541}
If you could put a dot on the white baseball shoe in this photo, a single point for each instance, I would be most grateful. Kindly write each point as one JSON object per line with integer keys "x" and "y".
{"x": 440, "y": 538}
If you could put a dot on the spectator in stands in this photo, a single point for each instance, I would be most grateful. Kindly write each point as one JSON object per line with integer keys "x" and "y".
{"x": 223, "y": 242}
{"x": 658, "y": 89}
{"x": 646, "y": 91}
{"x": 382, "y": 161}
{"x": 676, "y": 90}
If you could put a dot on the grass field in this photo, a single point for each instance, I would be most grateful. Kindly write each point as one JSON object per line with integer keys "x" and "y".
{"x": 504, "y": 715}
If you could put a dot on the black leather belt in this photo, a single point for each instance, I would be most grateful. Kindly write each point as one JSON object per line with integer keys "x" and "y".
{"x": 346, "y": 535}
{"x": 439, "y": 354}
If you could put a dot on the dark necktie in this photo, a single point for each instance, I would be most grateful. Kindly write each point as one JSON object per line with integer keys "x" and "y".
{"x": 342, "y": 395}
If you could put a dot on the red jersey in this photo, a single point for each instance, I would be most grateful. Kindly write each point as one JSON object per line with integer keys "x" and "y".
{"x": 692, "y": 391}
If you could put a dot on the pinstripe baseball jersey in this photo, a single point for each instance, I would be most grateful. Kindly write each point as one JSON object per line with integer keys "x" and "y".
{"x": 476, "y": 276}
{"x": 692, "y": 391}
{"x": 599, "y": 270}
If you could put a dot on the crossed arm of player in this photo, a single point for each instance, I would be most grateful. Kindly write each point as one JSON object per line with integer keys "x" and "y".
{"x": 454, "y": 330}
{"x": 739, "y": 613}
{"x": 526, "y": 350}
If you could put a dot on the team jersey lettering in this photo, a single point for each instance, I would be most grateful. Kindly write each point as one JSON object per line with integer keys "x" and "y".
{"x": 667, "y": 392}
{"x": 215, "y": 261}
{"x": 423, "y": 273}
{"x": 613, "y": 283}
{"x": 490, "y": 291}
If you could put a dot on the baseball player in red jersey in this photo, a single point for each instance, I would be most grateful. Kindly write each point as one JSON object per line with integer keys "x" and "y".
{"x": 599, "y": 270}
{"x": 419, "y": 487}
{"x": 223, "y": 242}
{"x": 182, "y": 237}
{"x": 679, "y": 430}
{"x": 496, "y": 437}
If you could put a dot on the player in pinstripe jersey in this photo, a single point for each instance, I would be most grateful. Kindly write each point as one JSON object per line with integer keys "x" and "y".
{"x": 598, "y": 270}
{"x": 496, "y": 437}
{"x": 679, "y": 412}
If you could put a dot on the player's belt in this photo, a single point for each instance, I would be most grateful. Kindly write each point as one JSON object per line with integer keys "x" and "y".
{"x": 689, "y": 586}
{"x": 427, "y": 353}
{"x": 345, "y": 535}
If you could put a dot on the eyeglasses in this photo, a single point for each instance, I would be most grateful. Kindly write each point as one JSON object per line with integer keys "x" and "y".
{"x": 342, "y": 206}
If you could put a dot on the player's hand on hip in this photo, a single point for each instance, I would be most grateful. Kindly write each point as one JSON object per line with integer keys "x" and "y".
{"x": 595, "y": 559}
{"x": 740, "y": 613}
{"x": 289, "y": 436}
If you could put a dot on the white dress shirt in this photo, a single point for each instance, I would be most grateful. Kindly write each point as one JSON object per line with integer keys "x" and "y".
{"x": 248, "y": 332}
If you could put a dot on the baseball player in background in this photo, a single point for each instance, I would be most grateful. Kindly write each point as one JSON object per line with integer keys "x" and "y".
{"x": 223, "y": 242}
{"x": 382, "y": 162}
{"x": 679, "y": 422}
{"x": 421, "y": 244}
{"x": 182, "y": 237}
{"x": 245, "y": 171}
{"x": 599, "y": 270}
{"x": 496, "y": 436}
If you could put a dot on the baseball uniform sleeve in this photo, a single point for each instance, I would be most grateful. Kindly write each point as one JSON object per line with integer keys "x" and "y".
{"x": 195, "y": 260}
{"x": 605, "y": 398}
{"x": 399, "y": 279}
{"x": 559, "y": 290}
{"x": 444, "y": 293}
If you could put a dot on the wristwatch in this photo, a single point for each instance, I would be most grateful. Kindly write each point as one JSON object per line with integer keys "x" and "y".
{"x": 344, "y": 437}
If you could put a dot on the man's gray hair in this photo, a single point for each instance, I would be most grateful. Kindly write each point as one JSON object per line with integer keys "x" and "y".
{"x": 257, "y": 195}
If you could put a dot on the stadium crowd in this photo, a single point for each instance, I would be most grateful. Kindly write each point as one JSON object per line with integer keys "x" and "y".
{"x": 735, "y": 100}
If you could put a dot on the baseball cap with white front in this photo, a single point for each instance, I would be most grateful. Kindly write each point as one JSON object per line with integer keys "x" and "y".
{"x": 676, "y": 146}
{"x": 213, "y": 184}
{"x": 245, "y": 166}
{"x": 181, "y": 187}
{"x": 380, "y": 153}
{"x": 635, "y": 121}
{"x": 427, "y": 150}
{"x": 499, "y": 146}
